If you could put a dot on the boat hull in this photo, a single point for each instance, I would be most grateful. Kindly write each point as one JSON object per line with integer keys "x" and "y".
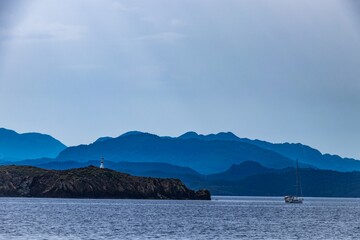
{"x": 293, "y": 199}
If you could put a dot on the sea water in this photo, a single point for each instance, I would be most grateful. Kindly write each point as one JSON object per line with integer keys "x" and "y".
{"x": 221, "y": 218}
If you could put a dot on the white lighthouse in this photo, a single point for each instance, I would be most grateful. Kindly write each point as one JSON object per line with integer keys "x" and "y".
{"x": 102, "y": 163}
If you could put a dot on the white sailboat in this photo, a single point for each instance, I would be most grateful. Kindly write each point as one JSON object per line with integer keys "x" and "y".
{"x": 296, "y": 198}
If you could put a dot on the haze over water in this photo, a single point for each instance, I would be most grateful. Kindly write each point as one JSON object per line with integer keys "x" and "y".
{"x": 221, "y": 218}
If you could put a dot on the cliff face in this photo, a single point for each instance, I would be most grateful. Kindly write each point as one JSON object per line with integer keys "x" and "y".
{"x": 90, "y": 182}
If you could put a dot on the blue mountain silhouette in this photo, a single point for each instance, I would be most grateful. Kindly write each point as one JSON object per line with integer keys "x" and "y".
{"x": 203, "y": 156}
{"x": 15, "y": 146}
{"x": 303, "y": 153}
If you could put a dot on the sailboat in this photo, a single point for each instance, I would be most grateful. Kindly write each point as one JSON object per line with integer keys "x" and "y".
{"x": 296, "y": 198}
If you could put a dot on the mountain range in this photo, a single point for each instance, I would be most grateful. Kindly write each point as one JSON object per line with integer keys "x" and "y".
{"x": 206, "y": 153}
{"x": 303, "y": 153}
{"x": 203, "y": 156}
{"x": 222, "y": 163}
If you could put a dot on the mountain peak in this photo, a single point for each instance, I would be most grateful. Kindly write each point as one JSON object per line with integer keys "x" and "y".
{"x": 246, "y": 166}
{"x": 131, "y": 133}
{"x": 221, "y": 136}
{"x": 240, "y": 171}
{"x": 17, "y": 146}
{"x": 189, "y": 135}
{"x": 226, "y": 136}
{"x": 102, "y": 139}
{"x": 7, "y": 131}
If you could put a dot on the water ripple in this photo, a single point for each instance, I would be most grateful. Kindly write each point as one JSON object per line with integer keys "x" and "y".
{"x": 222, "y": 218}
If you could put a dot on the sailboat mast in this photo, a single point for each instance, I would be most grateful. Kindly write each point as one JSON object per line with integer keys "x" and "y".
{"x": 297, "y": 177}
{"x": 296, "y": 198}
{"x": 299, "y": 180}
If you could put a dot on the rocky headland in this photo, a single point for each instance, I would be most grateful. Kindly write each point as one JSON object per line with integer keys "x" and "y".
{"x": 90, "y": 182}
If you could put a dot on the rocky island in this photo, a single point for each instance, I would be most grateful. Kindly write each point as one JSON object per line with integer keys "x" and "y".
{"x": 90, "y": 182}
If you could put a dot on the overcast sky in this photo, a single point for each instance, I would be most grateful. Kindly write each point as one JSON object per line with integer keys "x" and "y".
{"x": 281, "y": 71}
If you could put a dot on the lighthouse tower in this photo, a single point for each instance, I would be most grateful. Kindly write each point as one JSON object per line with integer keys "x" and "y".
{"x": 102, "y": 163}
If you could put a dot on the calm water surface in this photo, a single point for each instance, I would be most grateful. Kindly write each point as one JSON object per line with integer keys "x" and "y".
{"x": 221, "y": 218}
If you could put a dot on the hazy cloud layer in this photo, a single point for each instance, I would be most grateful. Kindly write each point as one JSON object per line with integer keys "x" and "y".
{"x": 279, "y": 71}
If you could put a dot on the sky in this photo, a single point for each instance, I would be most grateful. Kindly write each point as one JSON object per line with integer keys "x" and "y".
{"x": 281, "y": 71}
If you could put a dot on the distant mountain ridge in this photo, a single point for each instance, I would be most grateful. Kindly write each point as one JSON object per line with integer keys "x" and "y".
{"x": 216, "y": 151}
{"x": 15, "y": 146}
{"x": 303, "y": 153}
{"x": 210, "y": 153}
{"x": 241, "y": 171}
{"x": 203, "y": 156}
